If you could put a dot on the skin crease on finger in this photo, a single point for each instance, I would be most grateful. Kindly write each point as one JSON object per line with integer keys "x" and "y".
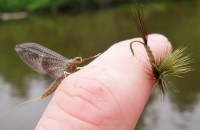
{"x": 107, "y": 94}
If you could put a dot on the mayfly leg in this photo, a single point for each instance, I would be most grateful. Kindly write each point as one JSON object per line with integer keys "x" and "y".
{"x": 66, "y": 73}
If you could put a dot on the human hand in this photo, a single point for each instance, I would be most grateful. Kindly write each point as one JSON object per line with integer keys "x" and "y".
{"x": 107, "y": 94}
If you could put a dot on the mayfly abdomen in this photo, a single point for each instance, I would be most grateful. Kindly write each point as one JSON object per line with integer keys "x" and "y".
{"x": 52, "y": 87}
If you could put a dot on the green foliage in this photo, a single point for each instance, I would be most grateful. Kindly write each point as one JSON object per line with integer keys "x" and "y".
{"x": 12, "y": 5}
{"x": 34, "y": 5}
{"x": 40, "y": 4}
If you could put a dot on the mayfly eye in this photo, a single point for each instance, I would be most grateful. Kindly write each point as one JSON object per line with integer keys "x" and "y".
{"x": 78, "y": 59}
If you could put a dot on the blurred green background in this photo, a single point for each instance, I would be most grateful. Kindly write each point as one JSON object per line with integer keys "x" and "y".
{"x": 87, "y": 27}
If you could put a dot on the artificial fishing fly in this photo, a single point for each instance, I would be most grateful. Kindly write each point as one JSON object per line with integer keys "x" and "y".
{"x": 175, "y": 64}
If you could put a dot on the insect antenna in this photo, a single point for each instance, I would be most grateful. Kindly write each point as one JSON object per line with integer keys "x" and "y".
{"x": 92, "y": 57}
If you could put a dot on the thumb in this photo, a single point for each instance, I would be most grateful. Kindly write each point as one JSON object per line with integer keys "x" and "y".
{"x": 109, "y": 93}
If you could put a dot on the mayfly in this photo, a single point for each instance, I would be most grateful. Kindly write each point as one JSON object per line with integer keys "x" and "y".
{"x": 46, "y": 61}
{"x": 176, "y": 63}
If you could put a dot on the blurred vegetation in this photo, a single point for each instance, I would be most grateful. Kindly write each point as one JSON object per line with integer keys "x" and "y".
{"x": 52, "y": 5}
{"x": 63, "y": 5}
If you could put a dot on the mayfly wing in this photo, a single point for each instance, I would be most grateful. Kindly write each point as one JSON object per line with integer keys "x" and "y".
{"x": 42, "y": 59}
